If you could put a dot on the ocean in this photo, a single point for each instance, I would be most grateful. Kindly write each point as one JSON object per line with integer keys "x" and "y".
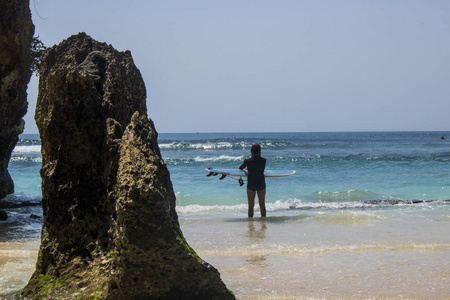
{"x": 366, "y": 215}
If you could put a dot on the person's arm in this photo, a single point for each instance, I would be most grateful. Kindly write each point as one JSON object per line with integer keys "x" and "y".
{"x": 243, "y": 166}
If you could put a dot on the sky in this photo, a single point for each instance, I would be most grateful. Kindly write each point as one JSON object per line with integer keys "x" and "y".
{"x": 272, "y": 66}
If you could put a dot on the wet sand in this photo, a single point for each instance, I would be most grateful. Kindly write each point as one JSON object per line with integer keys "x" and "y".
{"x": 17, "y": 263}
{"x": 342, "y": 274}
{"x": 344, "y": 255}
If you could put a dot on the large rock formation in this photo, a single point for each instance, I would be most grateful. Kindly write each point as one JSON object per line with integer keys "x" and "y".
{"x": 16, "y": 33}
{"x": 110, "y": 227}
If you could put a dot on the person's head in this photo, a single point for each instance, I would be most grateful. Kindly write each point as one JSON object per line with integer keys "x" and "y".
{"x": 256, "y": 149}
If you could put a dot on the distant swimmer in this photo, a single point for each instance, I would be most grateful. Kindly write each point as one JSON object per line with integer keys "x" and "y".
{"x": 442, "y": 138}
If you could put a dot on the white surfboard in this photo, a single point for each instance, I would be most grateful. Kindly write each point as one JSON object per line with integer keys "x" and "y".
{"x": 243, "y": 173}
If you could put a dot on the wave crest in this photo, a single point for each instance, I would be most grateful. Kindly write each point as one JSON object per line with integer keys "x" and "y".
{"x": 201, "y": 159}
{"x": 27, "y": 149}
{"x": 229, "y": 144}
{"x": 26, "y": 159}
{"x": 28, "y": 142}
{"x": 194, "y": 208}
{"x": 218, "y": 158}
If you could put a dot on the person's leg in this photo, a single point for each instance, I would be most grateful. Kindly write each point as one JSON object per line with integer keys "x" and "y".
{"x": 251, "y": 201}
{"x": 262, "y": 201}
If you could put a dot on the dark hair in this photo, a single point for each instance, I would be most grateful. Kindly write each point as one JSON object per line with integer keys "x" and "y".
{"x": 256, "y": 149}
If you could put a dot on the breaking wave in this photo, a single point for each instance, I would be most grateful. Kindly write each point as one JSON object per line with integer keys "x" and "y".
{"x": 221, "y": 145}
{"x": 27, "y": 149}
{"x": 218, "y": 158}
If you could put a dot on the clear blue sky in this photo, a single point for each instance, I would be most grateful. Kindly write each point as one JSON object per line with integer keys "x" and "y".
{"x": 279, "y": 65}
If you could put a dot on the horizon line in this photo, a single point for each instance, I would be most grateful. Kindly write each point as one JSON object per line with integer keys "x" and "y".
{"x": 346, "y": 131}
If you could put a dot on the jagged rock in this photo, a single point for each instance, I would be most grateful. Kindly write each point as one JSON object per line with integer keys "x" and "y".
{"x": 16, "y": 33}
{"x": 3, "y": 215}
{"x": 110, "y": 227}
{"x": 35, "y": 217}
{"x": 16, "y": 204}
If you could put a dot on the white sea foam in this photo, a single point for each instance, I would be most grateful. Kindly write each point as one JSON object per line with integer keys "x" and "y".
{"x": 165, "y": 146}
{"x": 192, "y": 209}
{"x": 197, "y": 146}
{"x": 27, "y": 149}
{"x": 210, "y": 146}
{"x": 219, "y": 158}
{"x": 290, "y": 204}
{"x": 26, "y": 159}
{"x": 298, "y": 204}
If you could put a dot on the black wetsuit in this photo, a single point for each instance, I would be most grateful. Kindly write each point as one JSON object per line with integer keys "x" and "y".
{"x": 255, "y": 166}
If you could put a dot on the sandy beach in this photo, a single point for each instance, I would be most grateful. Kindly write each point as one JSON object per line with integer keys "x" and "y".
{"x": 325, "y": 257}
{"x": 17, "y": 263}
{"x": 303, "y": 257}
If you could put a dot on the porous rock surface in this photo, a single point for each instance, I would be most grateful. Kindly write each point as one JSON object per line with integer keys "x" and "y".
{"x": 110, "y": 227}
{"x": 16, "y": 33}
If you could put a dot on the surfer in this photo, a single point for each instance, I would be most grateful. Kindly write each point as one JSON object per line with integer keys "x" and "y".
{"x": 256, "y": 183}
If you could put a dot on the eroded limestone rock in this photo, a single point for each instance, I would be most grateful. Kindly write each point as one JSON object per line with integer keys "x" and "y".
{"x": 110, "y": 227}
{"x": 16, "y": 32}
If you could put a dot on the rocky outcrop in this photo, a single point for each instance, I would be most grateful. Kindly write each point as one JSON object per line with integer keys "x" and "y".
{"x": 110, "y": 227}
{"x": 3, "y": 215}
{"x": 16, "y": 32}
{"x": 16, "y": 203}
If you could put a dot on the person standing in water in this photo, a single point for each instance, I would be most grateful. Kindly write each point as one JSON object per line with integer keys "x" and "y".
{"x": 256, "y": 182}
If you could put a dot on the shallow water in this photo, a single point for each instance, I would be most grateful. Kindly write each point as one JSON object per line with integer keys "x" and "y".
{"x": 17, "y": 264}
{"x": 349, "y": 254}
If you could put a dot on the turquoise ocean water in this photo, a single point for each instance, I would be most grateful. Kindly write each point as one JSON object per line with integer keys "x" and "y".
{"x": 333, "y": 169}
{"x": 321, "y": 221}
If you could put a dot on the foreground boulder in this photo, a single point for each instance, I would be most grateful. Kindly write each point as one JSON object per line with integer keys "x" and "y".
{"x": 110, "y": 227}
{"x": 16, "y": 33}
